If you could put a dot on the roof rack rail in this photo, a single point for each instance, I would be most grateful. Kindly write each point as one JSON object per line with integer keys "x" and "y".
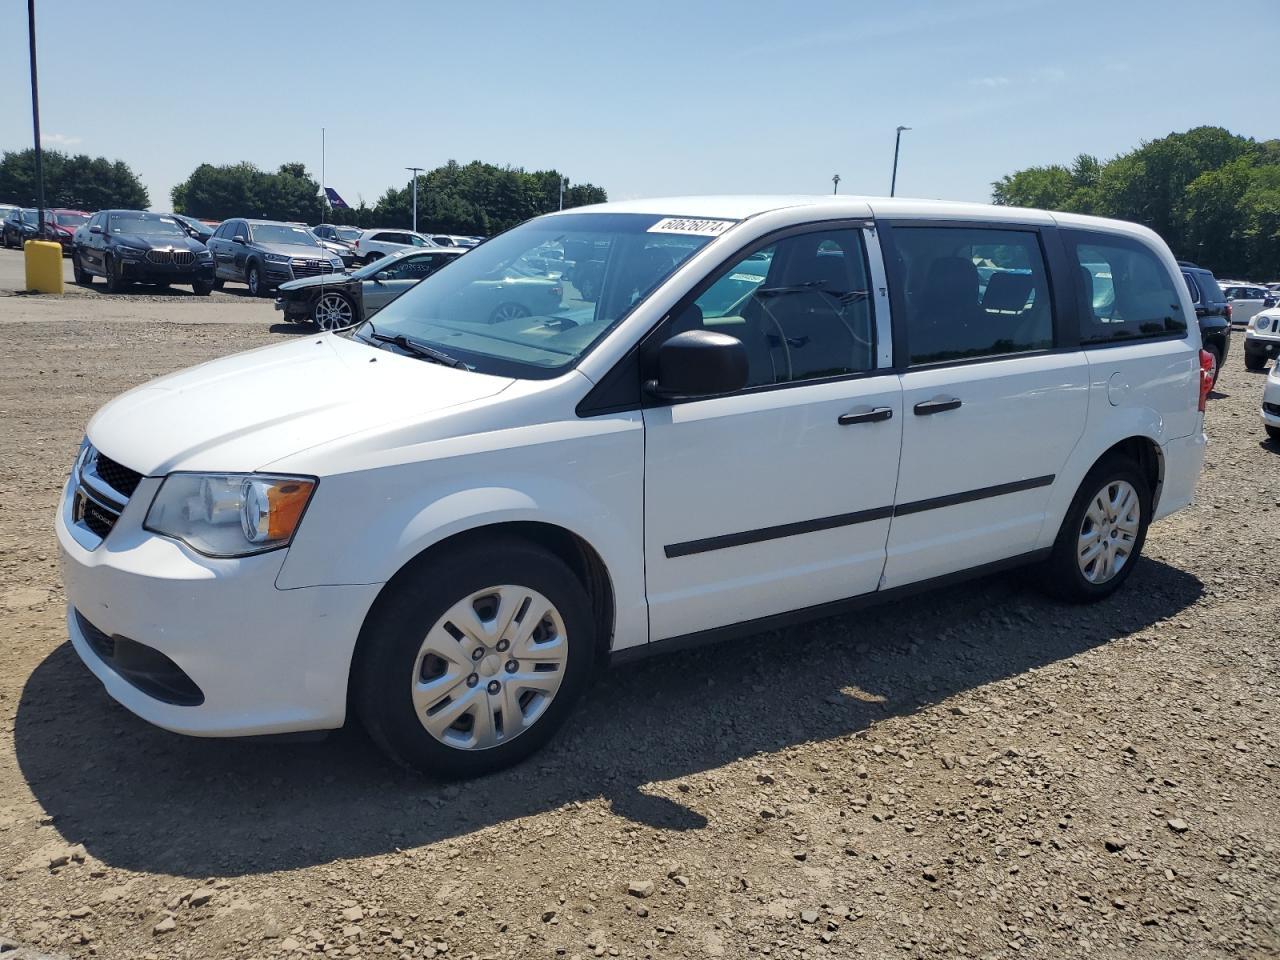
{"x": 1188, "y": 263}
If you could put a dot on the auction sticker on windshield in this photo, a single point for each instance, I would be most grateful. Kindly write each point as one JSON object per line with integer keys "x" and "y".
{"x": 688, "y": 225}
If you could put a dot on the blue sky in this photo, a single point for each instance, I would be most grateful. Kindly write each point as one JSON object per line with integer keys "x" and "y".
{"x": 643, "y": 98}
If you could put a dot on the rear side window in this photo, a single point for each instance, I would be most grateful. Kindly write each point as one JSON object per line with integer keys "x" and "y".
{"x": 1125, "y": 291}
{"x": 973, "y": 292}
{"x": 1192, "y": 288}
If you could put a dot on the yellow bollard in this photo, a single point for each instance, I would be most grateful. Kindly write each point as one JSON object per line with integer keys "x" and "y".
{"x": 44, "y": 266}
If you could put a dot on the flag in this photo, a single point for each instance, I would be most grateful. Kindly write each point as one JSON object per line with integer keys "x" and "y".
{"x": 334, "y": 200}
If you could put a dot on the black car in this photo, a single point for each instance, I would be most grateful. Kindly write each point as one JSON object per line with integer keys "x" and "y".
{"x": 128, "y": 246}
{"x": 335, "y": 302}
{"x": 196, "y": 229}
{"x": 19, "y": 227}
{"x": 1212, "y": 310}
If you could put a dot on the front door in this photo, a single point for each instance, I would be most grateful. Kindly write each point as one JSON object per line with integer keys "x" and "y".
{"x": 777, "y": 497}
{"x": 992, "y": 407}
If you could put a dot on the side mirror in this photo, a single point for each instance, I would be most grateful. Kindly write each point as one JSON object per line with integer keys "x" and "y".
{"x": 240, "y": 239}
{"x": 699, "y": 363}
{"x": 95, "y": 229}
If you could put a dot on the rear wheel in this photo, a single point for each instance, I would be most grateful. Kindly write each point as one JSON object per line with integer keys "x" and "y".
{"x": 333, "y": 311}
{"x": 1254, "y": 361}
{"x": 508, "y": 311}
{"x": 1103, "y": 533}
{"x": 1273, "y": 433}
{"x": 1213, "y": 352}
{"x": 472, "y": 659}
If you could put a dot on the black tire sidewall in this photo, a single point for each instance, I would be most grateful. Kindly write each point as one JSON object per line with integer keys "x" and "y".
{"x": 1063, "y": 576}
{"x": 253, "y": 270}
{"x": 393, "y": 633}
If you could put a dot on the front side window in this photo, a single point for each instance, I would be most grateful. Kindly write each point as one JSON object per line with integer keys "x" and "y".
{"x": 409, "y": 268}
{"x": 973, "y": 292}
{"x": 1125, "y": 291}
{"x": 509, "y": 308}
{"x": 800, "y": 306}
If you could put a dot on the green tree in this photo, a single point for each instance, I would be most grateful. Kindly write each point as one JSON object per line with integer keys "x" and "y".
{"x": 79, "y": 182}
{"x": 243, "y": 190}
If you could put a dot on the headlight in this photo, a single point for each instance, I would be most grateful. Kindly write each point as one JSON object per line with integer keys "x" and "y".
{"x": 275, "y": 258}
{"x": 130, "y": 253}
{"x": 336, "y": 263}
{"x": 203, "y": 255}
{"x": 230, "y": 514}
{"x": 1261, "y": 323}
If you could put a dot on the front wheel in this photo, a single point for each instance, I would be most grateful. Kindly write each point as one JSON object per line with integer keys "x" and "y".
{"x": 253, "y": 277}
{"x": 115, "y": 275}
{"x": 218, "y": 283}
{"x": 201, "y": 288}
{"x": 471, "y": 660}
{"x": 333, "y": 311}
{"x": 1103, "y": 533}
{"x": 82, "y": 276}
{"x": 1254, "y": 361}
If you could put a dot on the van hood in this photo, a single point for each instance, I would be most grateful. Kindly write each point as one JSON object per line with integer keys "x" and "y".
{"x": 245, "y": 411}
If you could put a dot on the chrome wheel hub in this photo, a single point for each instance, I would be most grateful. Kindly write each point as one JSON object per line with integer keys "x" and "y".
{"x": 333, "y": 312}
{"x": 489, "y": 668}
{"x": 1109, "y": 531}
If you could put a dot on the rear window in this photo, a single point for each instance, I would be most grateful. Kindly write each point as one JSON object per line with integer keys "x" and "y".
{"x": 1125, "y": 291}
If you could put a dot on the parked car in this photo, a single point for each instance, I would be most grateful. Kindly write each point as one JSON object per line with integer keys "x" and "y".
{"x": 266, "y": 253}
{"x": 19, "y": 227}
{"x": 346, "y": 252}
{"x": 372, "y": 244}
{"x": 128, "y": 246}
{"x": 61, "y": 225}
{"x": 1262, "y": 339}
{"x": 1246, "y": 299}
{"x": 334, "y": 303}
{"x": 196, "y": 229}
{"x": 442, "y": 521}
{"x": 1213, "y": 312}
{"x": 343, "y": 234}
{"x": 5, "y": 210}
{"x": 1271, "y": 404}
{"x": 454, "y": 240}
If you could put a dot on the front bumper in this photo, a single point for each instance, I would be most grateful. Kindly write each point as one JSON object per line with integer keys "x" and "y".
{"x": 295, "y": 307}
{"x": 144, "y": 271}
{"x": 1266, "y": 346}
{"x": 264, "y": 660}
{"x": 1271, "y": 399}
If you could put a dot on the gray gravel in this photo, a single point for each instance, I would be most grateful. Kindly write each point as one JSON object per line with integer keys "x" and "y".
{"x": 979, "y": 772}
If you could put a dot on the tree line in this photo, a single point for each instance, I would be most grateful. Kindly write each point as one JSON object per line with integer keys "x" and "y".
{"x": 474, "y": 198}
{"x": 1212, "y": 195}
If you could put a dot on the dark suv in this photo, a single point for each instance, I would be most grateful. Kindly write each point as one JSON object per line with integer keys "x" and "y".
{"x": 135, "y": 245}
{"x": 1212, "y": 310}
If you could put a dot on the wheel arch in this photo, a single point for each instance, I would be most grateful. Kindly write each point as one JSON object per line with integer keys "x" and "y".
{"x": 579, "y": 555}
{"x": 1147, "y": 454}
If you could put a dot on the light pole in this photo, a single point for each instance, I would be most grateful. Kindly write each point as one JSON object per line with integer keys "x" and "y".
{"x": 835, "y": 184}
{"x": 897, "y": 142}
{"x": 35, "y": 120}
{"x": 563, "y": 181}
{"x": 416, "y": 171}
{"x": 324, "y": 187}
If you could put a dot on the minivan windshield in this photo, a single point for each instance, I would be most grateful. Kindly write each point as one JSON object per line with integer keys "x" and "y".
{"x": 531, "y": 302}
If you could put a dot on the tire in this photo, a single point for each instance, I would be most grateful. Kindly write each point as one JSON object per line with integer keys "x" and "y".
{"x": 116, "y": 282}
{"x": 1273, "y": 433}
{"x": 201, "y": 288}
{"x": 1063, "y": 575}
{"x": 373, "y": 256}
{"x": 508, "y": 311}
{"x": 82, "y": 276}
{"x": 1255, "y": 361}
{"x": 418, "y": 608}
{"x": 253, "y": 278}
{"x": 334, "y": 311}
{"x": 1213, "y": 351}
{"x": 218, "y": 283}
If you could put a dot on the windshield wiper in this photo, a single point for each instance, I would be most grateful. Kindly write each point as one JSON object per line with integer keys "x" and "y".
{"x": 420, "y": 350}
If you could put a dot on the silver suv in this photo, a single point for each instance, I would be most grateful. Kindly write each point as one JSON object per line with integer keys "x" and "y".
{"x": 266, "y": 253}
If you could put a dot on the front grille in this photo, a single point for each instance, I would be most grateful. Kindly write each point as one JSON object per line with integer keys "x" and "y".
{"x": 144, "y": 667}
{"x": 180, "y": 258}
{"x": 103, "y": 488}
{"x": 311, "y": 268}
{"x": 121, "y": 478}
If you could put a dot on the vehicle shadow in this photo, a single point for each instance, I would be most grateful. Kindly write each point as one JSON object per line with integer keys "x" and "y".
{"x": 292, "y": 329}
{"x": 143, "y": 799}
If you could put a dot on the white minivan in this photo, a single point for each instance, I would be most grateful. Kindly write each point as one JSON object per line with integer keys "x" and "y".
{"x": 766, "y": 409}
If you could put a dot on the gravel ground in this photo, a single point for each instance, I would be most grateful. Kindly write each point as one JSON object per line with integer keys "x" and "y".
{"x": 976, "y": 773}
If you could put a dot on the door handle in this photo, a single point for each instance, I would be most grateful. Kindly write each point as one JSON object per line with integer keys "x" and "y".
{"x": 864, "y": 415}
{"x": 936, "y": 405}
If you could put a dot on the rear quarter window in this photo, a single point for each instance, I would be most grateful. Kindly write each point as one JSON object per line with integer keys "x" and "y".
{"x": 1126, "y": 293}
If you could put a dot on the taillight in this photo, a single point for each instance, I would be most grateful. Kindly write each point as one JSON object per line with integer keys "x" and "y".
{"x": 557, "y": 291}
{"x": 1228, "y": 311}
{"x": 1206, "y": 377}
{"x": 357, "y": 243}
